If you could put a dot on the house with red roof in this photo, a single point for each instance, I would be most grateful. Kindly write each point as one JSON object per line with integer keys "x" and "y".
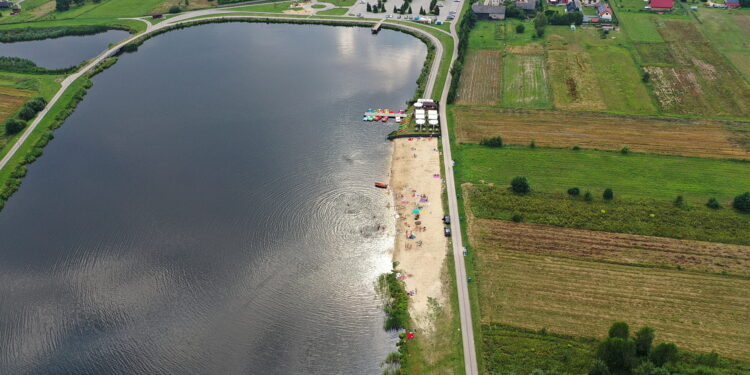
{"x": 732, "y": 4}
{"x": 660, "y": 5}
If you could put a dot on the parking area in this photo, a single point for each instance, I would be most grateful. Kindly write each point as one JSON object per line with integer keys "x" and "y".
{"x": 447, "y": 7}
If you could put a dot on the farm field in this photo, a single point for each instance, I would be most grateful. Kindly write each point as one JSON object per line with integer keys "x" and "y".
{"x": 729, "y": 32}
{"x": 622, "y": 88}
{"x": 525, "y": 82}
{"x": 697, "y": 311}
{"x": 691, "y": 137}
{"x": 630, "y": 176}
{"x": 573, "y": 81}
{"x": 704, "y": 82}
{"x": 480, "y": 80}
{"x": 15, "y": 90}
{"x": 640, "y": 27}
{"x": 648, "y": 217}
{"x": 612, "y": 247}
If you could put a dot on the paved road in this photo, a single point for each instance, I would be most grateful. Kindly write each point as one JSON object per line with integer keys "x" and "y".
{"x": 463, "y": 294}
{"x": 464, "y": 305}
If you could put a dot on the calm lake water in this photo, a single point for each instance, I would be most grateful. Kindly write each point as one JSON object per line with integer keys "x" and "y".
{"x": 63, "y": 52}
{"x": 209, "y": 209}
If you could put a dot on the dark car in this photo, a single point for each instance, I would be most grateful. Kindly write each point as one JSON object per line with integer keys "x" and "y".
{"x": 447, "y": 219}
{"x": 447, "y": 231}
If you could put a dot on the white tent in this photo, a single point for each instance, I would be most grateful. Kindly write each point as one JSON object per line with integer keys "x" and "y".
{"x": 420, "y": 121}
{"x": 433, "y": 122}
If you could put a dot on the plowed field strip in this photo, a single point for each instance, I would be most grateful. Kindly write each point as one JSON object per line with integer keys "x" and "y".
{"x": 705, "y": 138}
{"x": 613, "y": 247}
{"x": 480, "y": 80}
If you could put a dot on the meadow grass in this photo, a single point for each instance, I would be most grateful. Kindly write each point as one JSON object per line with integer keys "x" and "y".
{"x": 634, "y": 175}
{"x": 525, "y": 82}
{"x": 333, "y": 12}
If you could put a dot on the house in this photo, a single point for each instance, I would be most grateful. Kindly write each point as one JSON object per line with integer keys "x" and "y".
{"x": 605, "y": 12}
{"x": 732, "y": 4}
{"x": 489, "y": 10}
{"x": 527, "y": 5}
{"x": 590, "y": 3}
{"x": 558, "y": 2}
{"x": 660, "y": 5}
{"x": 574, "y": 6}
{"x": 6, "y": 5}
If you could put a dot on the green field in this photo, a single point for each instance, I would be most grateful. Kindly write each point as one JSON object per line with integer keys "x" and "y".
{"x": 630, "y": 176}
{"x": 729, "y": 32}
{"x": 267, "y": 8}
{"x": 486, "y": 35}
{"x": 333, "y": 12}
{"x": 640, "y": 27}
{"x": 622, "y": 88}
{"x": 525, "y": 82}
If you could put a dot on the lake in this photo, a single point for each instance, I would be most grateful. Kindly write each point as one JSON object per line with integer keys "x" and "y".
{"x": 209, "y": 209}
{"x": 64, "y": 51}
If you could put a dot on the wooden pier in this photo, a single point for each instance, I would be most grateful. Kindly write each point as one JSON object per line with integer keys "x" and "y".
{"x": 376, "y": 27}
{"x": 385, "y": 114}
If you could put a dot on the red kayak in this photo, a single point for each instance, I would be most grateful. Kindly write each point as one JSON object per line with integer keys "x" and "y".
{"x": 381, "y": 185}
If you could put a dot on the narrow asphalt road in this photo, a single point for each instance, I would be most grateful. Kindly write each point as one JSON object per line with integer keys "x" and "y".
{"x": 463, "y": 291}
{"x": 464, "y": 304}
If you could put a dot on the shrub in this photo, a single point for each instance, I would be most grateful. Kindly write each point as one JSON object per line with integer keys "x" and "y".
{"x": 492, "y": 142}
{"x": 520, "y": 29}
{"x": 619, "y": 329}
{"x": 13, "y": 126}
{"x": 608, "y": 194}
{"x": 532, "y": 144}
{"x": 643, "y": 340}
{"x": 175, "y": 9}
{"x": 517, "y": 218}
{"x": 713, "y": 203}
{"x": 625, "y": 150}
{"x": 520, "y": 185}
{"x": 599, "y": 368}
{"x": 576, "y": 148}
{"x": 37, "y": 103}
{"x": 618, "y": 353}
{"x": 587, "y": 196}
{"x": 664, "y": 353}
{"x": 26, "y": 113}
{"x": 574, "y": 192}
{"x": 679, "y": 202}
{"x": 646, "y": 77}
{"x": 742, "y": 202}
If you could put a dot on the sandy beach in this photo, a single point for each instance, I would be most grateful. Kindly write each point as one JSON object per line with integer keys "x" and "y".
{"x": 420, "y": 248}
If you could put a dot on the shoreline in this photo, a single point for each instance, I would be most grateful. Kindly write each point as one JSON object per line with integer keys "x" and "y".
{"x": 415, "y": 181}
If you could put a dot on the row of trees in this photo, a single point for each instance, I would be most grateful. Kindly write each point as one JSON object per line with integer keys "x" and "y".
{"x": 63, "y": 5}
{"x": 27, "y": 112}
{"x": 620, "y": 353}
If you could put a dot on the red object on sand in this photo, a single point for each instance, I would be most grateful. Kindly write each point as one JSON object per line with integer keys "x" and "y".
{"x": 410, "y": 335}
{"x": 381, "y": 185}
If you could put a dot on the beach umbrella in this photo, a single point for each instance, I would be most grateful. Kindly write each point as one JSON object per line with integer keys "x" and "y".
{"x": 418, "y": 222}
{"x": 415, "y": 211}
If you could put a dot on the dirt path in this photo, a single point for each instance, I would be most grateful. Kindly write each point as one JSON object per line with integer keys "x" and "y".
{"x": 416, "y": 183}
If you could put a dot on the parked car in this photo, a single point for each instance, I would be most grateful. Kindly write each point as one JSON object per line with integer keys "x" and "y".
{"x": 360, "y": 15}
{"x": 440, "y": 5}
{"x": 447, "y": 219}
{"x": 447, "y": 231}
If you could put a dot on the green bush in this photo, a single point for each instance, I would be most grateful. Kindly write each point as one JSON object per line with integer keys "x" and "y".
{"x": 520, "y": 185}
{"x": 625, "y": 150}
{"x": 713, "y": 203}
{"x": 520, "y": 29}
{"x": 517, "y": 218}
{"x": 643, "y": 340}
{"x": 618, "y": 353}
{"x": 599, "y": 368}
{"x": 619, "y": 329}
{"x": 13, "y": 126}
{"x": 574, "y": 192}
{"x": 664, "y": 353}
{"x": 175, "y": 9}
{"x": 608, "y": 194}
{"x": 742, "y": 202}
{"x": 492, "y": 142}
{"x": 679, "y": 202}
{"x": 587, "y": 196}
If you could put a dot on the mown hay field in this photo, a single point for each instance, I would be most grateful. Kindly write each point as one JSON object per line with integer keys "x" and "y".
{"x": 690, "y": 137}
{"x": 648, "y": 217}
{"x": 615, "y": 248}
{"x": 697, "y": 311}
{"x": 480, "y": 81}
{"x": 525, "y": 82}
